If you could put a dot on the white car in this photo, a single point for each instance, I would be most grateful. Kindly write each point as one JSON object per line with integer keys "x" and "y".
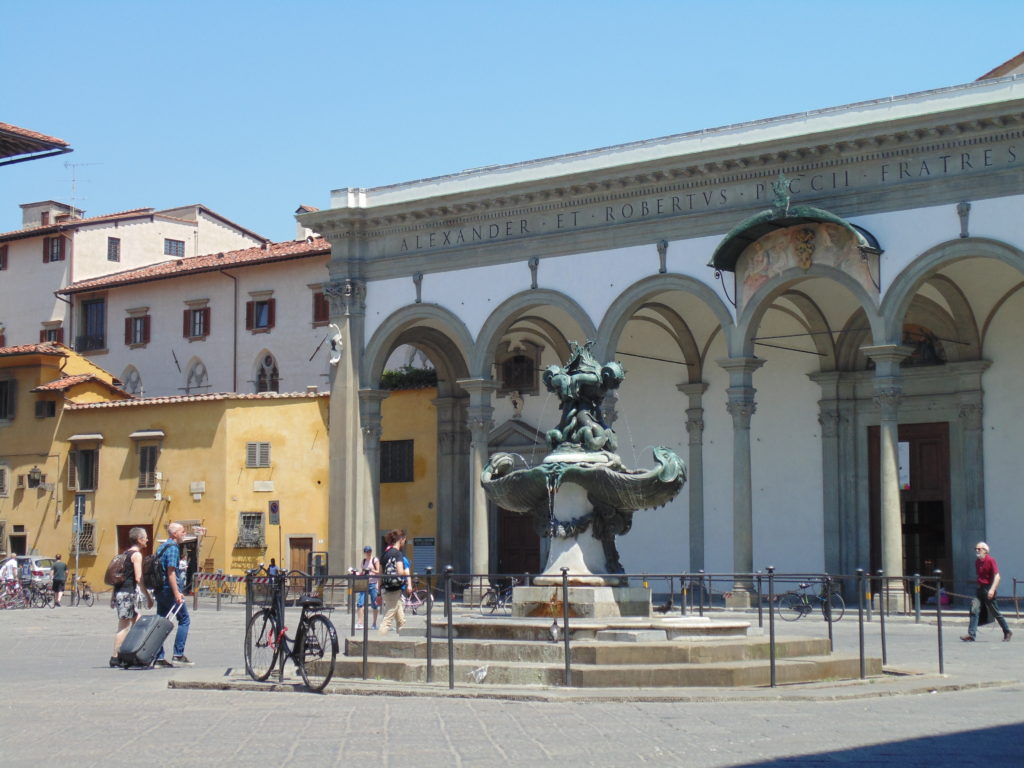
{"x": 38, "y": 570}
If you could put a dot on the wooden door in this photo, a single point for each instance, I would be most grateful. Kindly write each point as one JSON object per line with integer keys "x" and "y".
{"x": 299, "y": 550}
{"x": 518, "y": 543}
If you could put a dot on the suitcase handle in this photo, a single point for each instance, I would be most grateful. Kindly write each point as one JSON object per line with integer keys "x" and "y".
{"x": 175, "y": 610}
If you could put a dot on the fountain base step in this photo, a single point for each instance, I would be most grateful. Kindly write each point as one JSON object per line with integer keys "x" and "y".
{"x": 587, "y": 602}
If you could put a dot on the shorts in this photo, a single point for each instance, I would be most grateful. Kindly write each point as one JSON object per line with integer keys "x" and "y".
{"x": 127, "y": 604}
{"x": 58, "y": 585}
{"x": 374, "y": 597}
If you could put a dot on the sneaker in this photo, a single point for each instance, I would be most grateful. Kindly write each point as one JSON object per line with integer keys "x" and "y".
{"x": 183, "y": 660}
{"x": 163, "y": 664}
{"x": 115, "y": 662}
{"x": 359, "y": 626}
{"x": 373, "y": 627}
{"x": 967, "y": 639}
{"x": 1007, "y": 635}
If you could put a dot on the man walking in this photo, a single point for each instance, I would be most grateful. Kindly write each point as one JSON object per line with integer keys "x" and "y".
{"x": 60, "y": 575}
{"x": 170, "y": 593}
{"x": 983, "y": 606}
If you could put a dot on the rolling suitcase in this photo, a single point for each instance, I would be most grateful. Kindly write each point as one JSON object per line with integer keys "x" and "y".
{"x": 145, "y": 639}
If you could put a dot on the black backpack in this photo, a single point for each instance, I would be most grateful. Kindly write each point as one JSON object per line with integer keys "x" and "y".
{"x": 391, "y": 581}
{"x": 153, "y": 573}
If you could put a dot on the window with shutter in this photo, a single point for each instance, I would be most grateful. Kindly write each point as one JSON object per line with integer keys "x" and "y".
{"x": 5, "y": 480}
{"x": 196, "y": 323}
{"x": 83, "y": 469}
{"x": 113, "y": 249}
{"x": 148, "y": 455}
{"x": 257, "y": 454}
{"x": 8, "y": 390}
{"x": 53, "y": 249}
{"x": 259, "y": 315}
{"x": 321, "y": 308}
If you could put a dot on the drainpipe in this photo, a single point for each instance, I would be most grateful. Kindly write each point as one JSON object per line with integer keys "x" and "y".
{"x": 69, "y": 337}
{"x": 234, "y": 333}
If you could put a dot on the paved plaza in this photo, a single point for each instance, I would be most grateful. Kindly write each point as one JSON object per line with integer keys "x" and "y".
{"x": 64, "y": 705}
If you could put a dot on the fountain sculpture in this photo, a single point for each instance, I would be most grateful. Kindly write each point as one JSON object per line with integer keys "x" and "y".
{"x": 581, "y": 496}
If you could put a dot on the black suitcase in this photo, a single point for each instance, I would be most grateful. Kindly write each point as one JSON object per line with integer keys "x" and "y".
{"x": 145, "y": 639}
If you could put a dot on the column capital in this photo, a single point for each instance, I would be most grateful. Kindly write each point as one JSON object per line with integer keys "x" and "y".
{"x": 887, "y": 357}
{"x": 373, "y": 395}
{"x": 693, "y": 390}
{"x": 346, "y": 296}
{"x": 479, "y": 390}
{"x": 740, "y": 366}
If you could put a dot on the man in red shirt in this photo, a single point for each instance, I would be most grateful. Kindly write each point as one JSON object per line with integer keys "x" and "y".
{"x": 983, "y": 607}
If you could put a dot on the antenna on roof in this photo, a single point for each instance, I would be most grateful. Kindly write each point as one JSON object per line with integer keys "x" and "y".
{"x": 74, "y": 183}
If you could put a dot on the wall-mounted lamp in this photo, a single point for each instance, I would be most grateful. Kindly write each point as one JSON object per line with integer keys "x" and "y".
{"x": 35, "y": 476}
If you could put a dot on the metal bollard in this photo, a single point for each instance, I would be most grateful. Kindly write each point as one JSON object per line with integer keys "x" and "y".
{"x": 938, "y": 615}
{"x": 565, "y": 626}
{"x": 448, "y": 613}
{"x": 771, "y": 622}
{"x": 883, "y": 596}
{"x": 860, "y": 618}
{"x": 760, "y": 601}
{"x": 917, "y": 598}
{"x": 827, "y": 590}
{"x": 430, "y": 630}
{"x": 700, "y": 597}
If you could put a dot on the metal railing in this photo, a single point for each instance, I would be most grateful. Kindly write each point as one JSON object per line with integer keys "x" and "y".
{"x": 696, "y": 593}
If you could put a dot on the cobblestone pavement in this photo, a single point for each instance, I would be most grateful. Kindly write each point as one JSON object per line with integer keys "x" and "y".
{"x": 63, "y": 704}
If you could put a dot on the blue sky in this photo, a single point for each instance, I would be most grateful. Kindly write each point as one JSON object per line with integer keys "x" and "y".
{"x": 253, "y": 108}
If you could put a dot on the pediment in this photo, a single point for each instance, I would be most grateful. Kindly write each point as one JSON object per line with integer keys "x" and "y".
{"x": 516, "y": 435}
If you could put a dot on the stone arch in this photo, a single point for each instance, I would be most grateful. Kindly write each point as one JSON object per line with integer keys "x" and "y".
{"x": 197, "y": 377}
{"x": 266, "y": 375}
{"x": 131, "y": 381}
{"x": 636, "y": 296}
{"x": 442, "y": 334}
{"x": 742, "y": 343}
{"x": 513, "y": 309}
{"x": 905, "y": 286}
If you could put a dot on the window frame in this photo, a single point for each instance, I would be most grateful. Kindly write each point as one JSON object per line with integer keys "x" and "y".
{"x": 148, "y": 480}
{"x": 321, "y": 308}
{"x": 8, "y": 400}
{"x": 174, "y": 248}
{"x": 260, "y": 314}
{"x": 137, "y": 330}
{"x": 252, "y": 531}
{"x": 54, "y": 249}
{"x": 4, "y": 248}
{"x": 86, "y": 538}
{"x": 397, "y": 461}
{"x": 114, "y": 249}
{"x": 257, "y": 455}
{"x": 76, "y": 456}
{"x": 195, "y": 319}
{"x": 5, "y": 482}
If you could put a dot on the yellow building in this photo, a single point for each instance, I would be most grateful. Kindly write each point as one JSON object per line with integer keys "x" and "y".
{"x": 218, "y": 463}
{"x": 408, "y": 472}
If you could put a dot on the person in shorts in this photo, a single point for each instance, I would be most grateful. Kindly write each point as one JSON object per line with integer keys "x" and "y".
{"x": 126, "y": 599}
{"x": 371, "y": 568}
{"x": 60, "y": 575}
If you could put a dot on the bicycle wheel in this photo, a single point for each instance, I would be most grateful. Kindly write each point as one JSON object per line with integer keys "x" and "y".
{"x": 489, "y": 602}
{"x": 835, "y": 605}
{"x": 261, "y": 645}
{"x": 419, "y": 600}
{"x": 89, "y": 598}
{"x": 318, "y": 650}
{"x": 791, "y": 607}
{"x": 74, "y": 597}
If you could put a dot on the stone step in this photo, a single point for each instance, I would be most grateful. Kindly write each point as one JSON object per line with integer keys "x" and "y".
{"x": 529, "y": 673}
{"x": 498, "y": 628}
{"x": 592, "y": 652}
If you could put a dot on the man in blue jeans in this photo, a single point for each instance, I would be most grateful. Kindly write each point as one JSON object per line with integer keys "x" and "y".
{"x": 170, "y": 593}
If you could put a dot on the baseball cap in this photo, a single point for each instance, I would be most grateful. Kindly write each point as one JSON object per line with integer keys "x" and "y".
{"x": 367, "y": 548}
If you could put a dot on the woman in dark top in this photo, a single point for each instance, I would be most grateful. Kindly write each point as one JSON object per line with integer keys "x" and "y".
{"x": 126, "y": 599}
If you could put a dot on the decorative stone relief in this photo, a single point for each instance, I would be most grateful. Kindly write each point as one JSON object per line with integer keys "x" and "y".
{"x": 347, "y": 297}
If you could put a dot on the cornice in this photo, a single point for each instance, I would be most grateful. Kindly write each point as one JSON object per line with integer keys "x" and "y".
{"x": 845, "y": 146}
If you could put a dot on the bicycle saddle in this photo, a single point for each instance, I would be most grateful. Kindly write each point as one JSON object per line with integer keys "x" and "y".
{"x": 310, "y": 601}
{"x": 805, "y": 585}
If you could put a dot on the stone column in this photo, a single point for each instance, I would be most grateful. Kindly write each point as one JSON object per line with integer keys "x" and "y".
{"x": 479, "y": 419}
{"x": 888, "y": 393}
{"x": 370, "y": 416}
{"x": 452, "y": 494}
{"x": 695, "y": 469}
{"x": 351, "y": 512}
{"x": 741, "y": 407}
{"x": 973, "y": 480}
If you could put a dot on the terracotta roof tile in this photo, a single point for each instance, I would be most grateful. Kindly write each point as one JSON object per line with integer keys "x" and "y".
{"x": 69, "y": 222}
{"x": 213, "y": 396}
{"x": 67, "y": 382}
{"x": 49, "y": 348}
{"x": 26, "y": 133}
{"x": 293, "y": 249}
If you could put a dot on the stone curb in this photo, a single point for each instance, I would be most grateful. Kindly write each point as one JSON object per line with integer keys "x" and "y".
{"x": 905, "y": 684}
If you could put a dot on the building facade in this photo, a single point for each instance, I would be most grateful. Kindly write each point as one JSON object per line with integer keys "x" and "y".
{"x": 816, "y": 311}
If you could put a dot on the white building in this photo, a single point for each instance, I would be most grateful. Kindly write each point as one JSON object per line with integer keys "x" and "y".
{"x": 836, "y": 358}
{"x": 56, "y": 246}
{"x": 247, "y": 320}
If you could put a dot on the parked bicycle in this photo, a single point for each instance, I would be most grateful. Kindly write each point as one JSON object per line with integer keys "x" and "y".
{"x": 313, "y": 649}
{"x": 12, "y": 595}
{"x": 40, "y": 595}
{"x": 81, "y": 592}
{"x": 416, "y": 601}
{"x": 498, "y": 598}
{"x": 794, "y": 605}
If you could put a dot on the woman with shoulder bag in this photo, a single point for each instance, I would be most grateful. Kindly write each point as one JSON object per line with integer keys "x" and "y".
{"x": 125, "y": 599}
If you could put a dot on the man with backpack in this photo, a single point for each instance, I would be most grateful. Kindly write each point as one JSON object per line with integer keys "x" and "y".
{"x": 169, "y": 595}
{"x": 395, "y": 576}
